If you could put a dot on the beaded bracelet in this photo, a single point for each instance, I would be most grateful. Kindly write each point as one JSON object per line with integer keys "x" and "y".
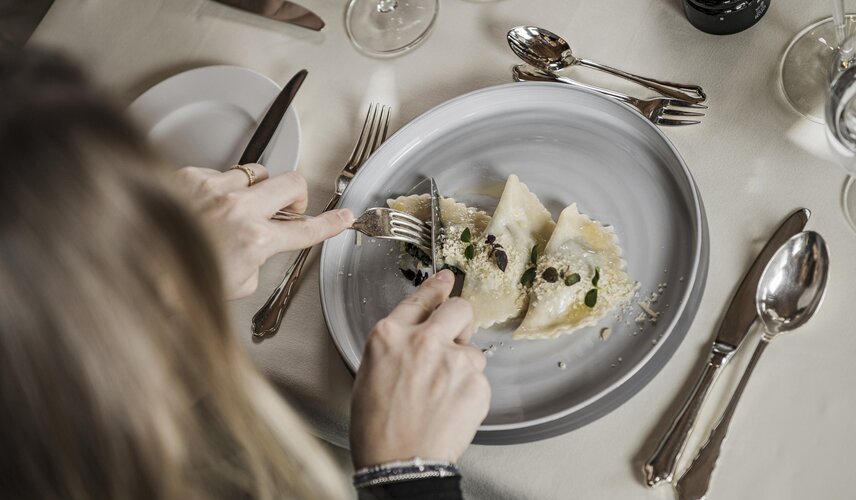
{"x": 409, "y": 470}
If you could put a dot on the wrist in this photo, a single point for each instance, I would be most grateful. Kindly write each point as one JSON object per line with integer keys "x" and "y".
{"x": 404, "y": 470}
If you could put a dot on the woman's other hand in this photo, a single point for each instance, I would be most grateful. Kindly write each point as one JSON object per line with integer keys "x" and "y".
{"x": 421, "y": 390}
{"x": 239, "y": 217}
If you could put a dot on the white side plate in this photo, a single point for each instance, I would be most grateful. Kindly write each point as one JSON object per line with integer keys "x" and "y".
{"x": 205, "y": 117}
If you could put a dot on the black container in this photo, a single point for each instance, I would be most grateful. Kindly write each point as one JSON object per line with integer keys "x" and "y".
{"x": 724, "y": 17}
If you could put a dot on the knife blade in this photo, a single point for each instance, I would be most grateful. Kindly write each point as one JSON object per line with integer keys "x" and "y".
{"x": 436, "y": 225}
{"x": 270, "y": 122}
{"x": 280, "y": 10}
{"x": 735, "y": 325}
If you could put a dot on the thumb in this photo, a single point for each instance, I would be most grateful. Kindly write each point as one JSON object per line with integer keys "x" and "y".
{"x": 306, "y": 233}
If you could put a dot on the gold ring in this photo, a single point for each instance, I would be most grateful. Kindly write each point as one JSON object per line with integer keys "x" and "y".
{"x": 251, "y": 176}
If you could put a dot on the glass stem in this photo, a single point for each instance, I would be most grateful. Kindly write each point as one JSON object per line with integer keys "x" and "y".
{"x": 844, "y": 42}
{"x": 387, "y": 6}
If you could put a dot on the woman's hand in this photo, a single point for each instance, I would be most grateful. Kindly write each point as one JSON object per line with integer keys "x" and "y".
{"x": 239, "y": 218}
{"x": 421, "y": 390}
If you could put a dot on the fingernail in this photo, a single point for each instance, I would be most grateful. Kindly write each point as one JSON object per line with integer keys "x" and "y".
{"x": 346, "y": 215}
{"x": 446, "y": 275}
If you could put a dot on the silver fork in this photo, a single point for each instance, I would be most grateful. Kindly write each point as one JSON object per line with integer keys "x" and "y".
{"x": 383, "y": 223}
{"x": 659, "y": 111}
{"x": 268, "y": 318}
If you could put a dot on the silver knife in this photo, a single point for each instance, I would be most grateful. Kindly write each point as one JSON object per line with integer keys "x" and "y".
{"x": 736, "y": 323}
{"x": 270, "y": 122}
{"x": 280, "y": 10}
{"x": 436, "y": 225}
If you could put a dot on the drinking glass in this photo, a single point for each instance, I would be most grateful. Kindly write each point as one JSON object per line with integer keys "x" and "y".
{"x": 841, "y": 134}
{"x": 385, "y": 28}
{"x": 812, "y": 60}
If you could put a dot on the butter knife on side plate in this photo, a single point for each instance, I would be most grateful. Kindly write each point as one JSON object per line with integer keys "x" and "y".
{"x": 733, "y": 329}
{"x": 280, "y": 10}
{"x": 270, "y": 121}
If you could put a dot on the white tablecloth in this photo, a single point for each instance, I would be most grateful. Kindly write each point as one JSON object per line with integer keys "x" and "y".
{"x": 753, "y": 158}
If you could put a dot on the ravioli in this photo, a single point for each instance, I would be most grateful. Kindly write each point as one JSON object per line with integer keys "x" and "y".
{"x": 519, "y": 222}
{"x": 578, "y": 246}
{"x": 456, "y": 217}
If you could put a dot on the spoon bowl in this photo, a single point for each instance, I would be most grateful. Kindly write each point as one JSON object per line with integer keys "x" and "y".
{"x": 793, "y": 283}
{"x": 541, "y": 48}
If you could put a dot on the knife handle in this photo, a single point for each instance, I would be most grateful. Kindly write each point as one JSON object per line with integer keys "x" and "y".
{"x": 693, "y": 485}
{"x": 661, "y": 465}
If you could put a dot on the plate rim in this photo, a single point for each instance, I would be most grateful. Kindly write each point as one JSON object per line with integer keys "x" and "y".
{"x": 694, "y": 282}
{"x": 217, "y": 70}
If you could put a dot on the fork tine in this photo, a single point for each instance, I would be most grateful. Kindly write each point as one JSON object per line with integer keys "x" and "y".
{"x": 378, "y": 135}
{"x": 418, "y": 229}
{"x": 372, "y": 135}
{"x": 396, "y": 214}
{"x": 361, "y": 143}
{"x": 386, "y": 123}
{"x": 415, "y": 226}
{"x": 674, "y": 123}
{"x": 400, "y": 231}
{"x": 684, "y": 104}
{"x": 424, "y": 245}
{"x": 677, "y": 112}
{"x": 407, "y": 220}
{"x": 406, "y": 231}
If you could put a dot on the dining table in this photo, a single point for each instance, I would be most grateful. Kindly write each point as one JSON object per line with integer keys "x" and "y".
{"x": 753, "y": 158}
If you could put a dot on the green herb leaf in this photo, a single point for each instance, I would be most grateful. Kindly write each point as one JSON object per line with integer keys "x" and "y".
{"x": 591, "y": 297}
{"x": 533, "y": 256}
{"x": 550, "y": 275}
{"x": 596, "y": 277}
{"x": 470, "y": 252}
{"x": 528, "y": 277}
{"x": 572, "y": 279}
{"x": 466, "y": 236}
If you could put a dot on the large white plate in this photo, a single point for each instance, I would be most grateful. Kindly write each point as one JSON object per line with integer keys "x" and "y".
{"x": 204, "y": 117}
{"x": 568, "y": 146}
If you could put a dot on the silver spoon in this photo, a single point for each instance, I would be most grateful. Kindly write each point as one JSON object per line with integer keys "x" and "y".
{"x": 549, "y": 52}
{"x": 789, "y": 292}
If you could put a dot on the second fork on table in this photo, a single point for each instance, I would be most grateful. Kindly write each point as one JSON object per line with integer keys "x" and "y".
{"x": 658, "y": 110}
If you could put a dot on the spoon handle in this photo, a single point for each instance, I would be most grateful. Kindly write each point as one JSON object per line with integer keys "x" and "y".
{"x": 693, "y": 485}
{"x": 668, "y": 89}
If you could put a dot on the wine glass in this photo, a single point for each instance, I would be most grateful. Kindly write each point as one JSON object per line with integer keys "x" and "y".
{"x": 384, "y": 28}
{"x": 809, "y": 63}
{"x": 841, "y": 134}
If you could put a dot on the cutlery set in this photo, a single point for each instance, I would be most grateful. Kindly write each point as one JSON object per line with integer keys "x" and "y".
{"x": 268, "y": 318}
{"x": 783, "y": 287}
{"x": 546, "y": 53}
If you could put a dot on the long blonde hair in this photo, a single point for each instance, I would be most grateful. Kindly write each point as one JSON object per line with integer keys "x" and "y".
{"x": 119, "y": 377}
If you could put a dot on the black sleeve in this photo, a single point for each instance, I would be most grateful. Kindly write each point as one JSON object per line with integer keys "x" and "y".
{"x": 439, "y": 488}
